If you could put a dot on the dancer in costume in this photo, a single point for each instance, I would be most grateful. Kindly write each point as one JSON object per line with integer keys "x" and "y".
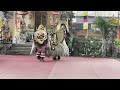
{"x": 59, "y": 46}
{"x": 40, "y": 42}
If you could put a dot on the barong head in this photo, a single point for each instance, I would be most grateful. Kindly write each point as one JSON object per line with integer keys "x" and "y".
{"x": 40, "y": 35}
{"x": 41, "y": 27}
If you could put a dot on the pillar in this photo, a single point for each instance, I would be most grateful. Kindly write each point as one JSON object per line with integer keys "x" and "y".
{"x": 14, "y": 28}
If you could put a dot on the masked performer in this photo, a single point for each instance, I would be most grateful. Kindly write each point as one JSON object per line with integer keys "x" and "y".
{"x": 40, "y": 42}
{"x": 59, "y": 46}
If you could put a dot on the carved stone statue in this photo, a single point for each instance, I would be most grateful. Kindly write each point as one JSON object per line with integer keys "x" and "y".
{"x": 22, "y": 31}
{"x": 31, "y": 19}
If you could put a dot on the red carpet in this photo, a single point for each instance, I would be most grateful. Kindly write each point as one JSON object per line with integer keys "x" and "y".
{"x": 28, "y": 67}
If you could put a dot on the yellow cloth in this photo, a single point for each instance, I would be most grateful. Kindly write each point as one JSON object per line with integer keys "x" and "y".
{"x": 85, "y": 27}
{"x": 0, "y": 22}
{"x": 85, "y": 13}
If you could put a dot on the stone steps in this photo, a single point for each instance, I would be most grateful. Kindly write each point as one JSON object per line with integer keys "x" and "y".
{"x": 20, "y": 49}
{"x": 18, "y": 52}
{"x": 22, "y": 45}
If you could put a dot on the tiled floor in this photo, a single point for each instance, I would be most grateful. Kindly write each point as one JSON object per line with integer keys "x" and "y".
{"x": 28, "y": 67}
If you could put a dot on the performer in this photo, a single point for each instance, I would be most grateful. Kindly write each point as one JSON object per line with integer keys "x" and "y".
{"x": 40, "y": 42}
{"x": 59, "y": 46}
{"x": 63, "y": 30}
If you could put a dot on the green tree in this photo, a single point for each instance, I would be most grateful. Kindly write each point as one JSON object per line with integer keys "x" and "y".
{"x": 103, "y": 24}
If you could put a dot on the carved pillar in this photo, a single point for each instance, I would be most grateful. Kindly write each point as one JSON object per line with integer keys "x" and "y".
{"x": 23, "y": 29}
{"x": 31, "y": 19}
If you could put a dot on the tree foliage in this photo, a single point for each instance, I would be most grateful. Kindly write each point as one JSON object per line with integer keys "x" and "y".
{"x": 103, "y": 24}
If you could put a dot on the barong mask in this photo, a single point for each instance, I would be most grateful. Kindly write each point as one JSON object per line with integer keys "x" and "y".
{"x": 41, "y": 34}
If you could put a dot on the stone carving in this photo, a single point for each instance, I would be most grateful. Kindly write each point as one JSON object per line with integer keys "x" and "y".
{"x": 22, "y": 33}
{"x": 31, "y": 18}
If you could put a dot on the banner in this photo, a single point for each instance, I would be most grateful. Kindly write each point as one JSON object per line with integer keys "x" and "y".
{"x": 85, "y": 13}
{"x": 85, "y": 27}
{"x": 85, "y": 24}
{"x": 85, "y": 21}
